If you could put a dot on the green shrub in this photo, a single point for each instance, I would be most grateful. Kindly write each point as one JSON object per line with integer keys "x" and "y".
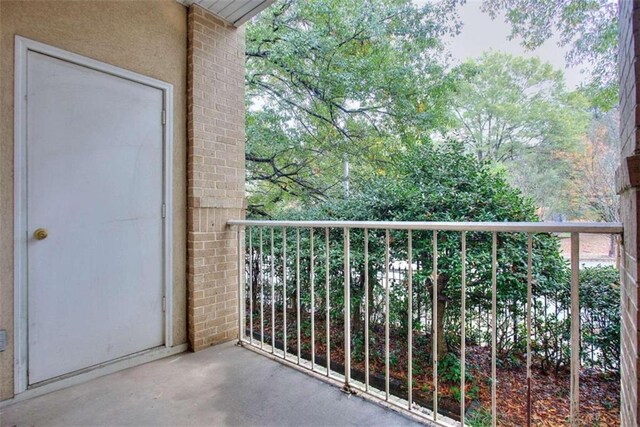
{"x": 600, "y": 317}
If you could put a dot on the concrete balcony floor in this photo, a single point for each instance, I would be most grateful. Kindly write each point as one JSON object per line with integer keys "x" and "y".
{"x": 224, "y": 385}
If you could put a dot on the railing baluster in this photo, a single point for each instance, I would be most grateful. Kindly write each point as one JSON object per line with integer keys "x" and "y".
{"x": 575, "y": 329}
{"x": 366, "y": 309}
{"x": 434, "y": 323}
{"x": 328, "y": 307}
{"x": 284, "y": 292}
{"x": 494, "y": 324}
{"x": 347, "y": 308}
{"x": 298, "y": 290}
{"x": 273, "y": 296}
{"x": 529, "y": 302}
{"x": 261, "y": 273}
{"x": 250, "y": 286}
{"x": 386, "y": 316}
{"x": 410, "y": 321}
{"x": 241, "y": 284}
{"x": 463, "y": 338}
{"x": 312, "y": 278}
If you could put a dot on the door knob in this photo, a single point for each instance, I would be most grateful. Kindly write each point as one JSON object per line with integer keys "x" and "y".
{"x": 40, "y": 234}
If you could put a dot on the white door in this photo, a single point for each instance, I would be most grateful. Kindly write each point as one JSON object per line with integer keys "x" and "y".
{"x": 95, "y": 183}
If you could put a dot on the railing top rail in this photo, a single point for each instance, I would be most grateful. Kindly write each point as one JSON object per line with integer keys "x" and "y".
{"x": 526, "y": 227}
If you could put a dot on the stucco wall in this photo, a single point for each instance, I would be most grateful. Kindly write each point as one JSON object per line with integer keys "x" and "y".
{"x": 147, "y": 37}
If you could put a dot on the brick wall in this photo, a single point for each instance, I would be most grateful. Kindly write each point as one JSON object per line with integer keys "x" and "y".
{"x": 215, "y": 174}
{"x": 629, "y": 51}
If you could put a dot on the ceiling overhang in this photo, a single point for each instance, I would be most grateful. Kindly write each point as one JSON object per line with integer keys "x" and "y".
{"x": 235, "y": 12}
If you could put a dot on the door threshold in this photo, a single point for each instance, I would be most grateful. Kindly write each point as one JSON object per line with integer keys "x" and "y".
{"x": 93, "y": 372}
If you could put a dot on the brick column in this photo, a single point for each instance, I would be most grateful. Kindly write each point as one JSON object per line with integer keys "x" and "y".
{"x": 628, "y": 181}
{"x": 215, "y": 175}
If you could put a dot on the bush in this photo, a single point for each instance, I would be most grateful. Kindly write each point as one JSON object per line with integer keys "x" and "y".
{"x": 600, "y": 317}
{"x": 438, "y": 182}
{"x": 449, "y": 370}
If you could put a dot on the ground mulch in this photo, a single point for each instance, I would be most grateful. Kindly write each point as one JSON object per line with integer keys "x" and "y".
{"x": 599, "y": 392}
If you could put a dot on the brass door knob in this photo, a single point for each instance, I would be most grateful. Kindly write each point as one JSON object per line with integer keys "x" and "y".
{"x": 40, "y": 234}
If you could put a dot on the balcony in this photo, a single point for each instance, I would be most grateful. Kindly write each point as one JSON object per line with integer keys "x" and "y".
{"x": 499, "y": 328}
{"x": 439, "y": 355}
{"x": 224, "y": 385}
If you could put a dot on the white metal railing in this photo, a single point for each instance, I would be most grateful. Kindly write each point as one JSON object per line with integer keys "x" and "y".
{"x": 254, "y": 263}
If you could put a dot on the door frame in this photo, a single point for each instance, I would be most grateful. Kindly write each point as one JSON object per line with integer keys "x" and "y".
{"x": 22, "y": 47}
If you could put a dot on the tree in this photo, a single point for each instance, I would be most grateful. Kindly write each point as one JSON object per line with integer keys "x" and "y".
{"x": 589, "y": 28}
{"x": 441, "y": 183}
{"x": 328, "y": 81}
{"x": 517, "y": 112}
{"x": 596, "y": 168}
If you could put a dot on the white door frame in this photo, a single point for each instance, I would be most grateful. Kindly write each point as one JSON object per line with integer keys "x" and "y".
{"x": 22, "y": 48}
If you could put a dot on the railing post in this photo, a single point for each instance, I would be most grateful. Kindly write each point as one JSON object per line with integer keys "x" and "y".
{"x": 312, "y": 279}
{"x": 434, "y": 322}
{"x": 298, "y": 291}
{"x": 327, "y": 305}
{"x": 386, "y": 317}
{"x": 529, "y": 302}
{"x": 575, "y": 329}
{"x": 463, "y": 313}
{"x": 284, "y": 292}
{"x": 250, "y": 286}
{"x": 240, "y": 284}
{"x": 347, "y": 309}
{"x": 494, "y": 324}
{"x": 273, "y": 295}
{"x": 410, "y": 321}
{"x": 366, "y": 309}
{"x": 261, "y": 275}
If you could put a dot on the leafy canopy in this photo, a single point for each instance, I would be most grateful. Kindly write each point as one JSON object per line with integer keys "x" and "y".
{"x": 517, "y": 113}
{"x": 328, "y": 79}
{"x": 588, "y": 27}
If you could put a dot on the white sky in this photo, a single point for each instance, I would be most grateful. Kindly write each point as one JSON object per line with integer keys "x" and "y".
{"x": 480, "y": 33}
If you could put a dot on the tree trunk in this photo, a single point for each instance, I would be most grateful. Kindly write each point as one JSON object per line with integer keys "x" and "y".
{"x": 442, "y": 344}
{"x": 418, "y": 298}
{"x": 514, "y": 317}
{"x": 372, "y": 307}
{"x": 357, "y": 317}
{"x": 442, "y": 306}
